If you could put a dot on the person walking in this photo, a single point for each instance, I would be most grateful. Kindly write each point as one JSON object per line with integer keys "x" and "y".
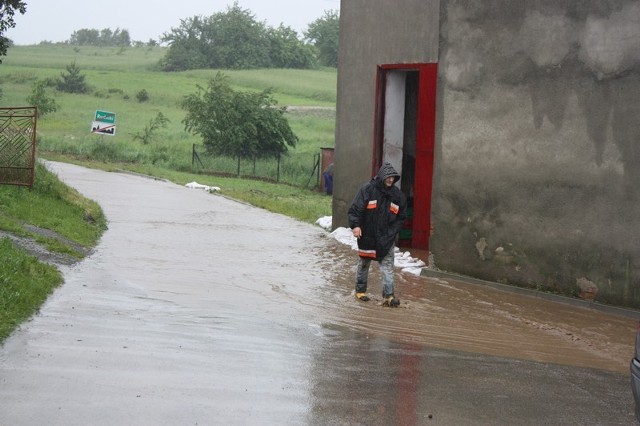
{"x": 376, "y": 216}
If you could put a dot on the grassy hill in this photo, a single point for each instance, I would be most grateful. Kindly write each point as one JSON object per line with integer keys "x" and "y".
{"x": 115, "y": 76}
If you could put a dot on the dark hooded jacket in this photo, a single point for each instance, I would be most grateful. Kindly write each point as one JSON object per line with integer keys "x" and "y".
{"x": 380, "y": 212}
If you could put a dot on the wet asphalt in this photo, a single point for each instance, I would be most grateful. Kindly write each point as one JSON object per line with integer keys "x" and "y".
{"x": 199, "y": 310}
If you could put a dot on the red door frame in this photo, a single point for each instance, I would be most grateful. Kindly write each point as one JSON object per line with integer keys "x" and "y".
{"x": 425, "y": 143}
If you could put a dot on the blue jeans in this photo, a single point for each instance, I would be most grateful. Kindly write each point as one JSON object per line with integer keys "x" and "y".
{"x": 386, "y": 269}
{"x": 328, "y": 183}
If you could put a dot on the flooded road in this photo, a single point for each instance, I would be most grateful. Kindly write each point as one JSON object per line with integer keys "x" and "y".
{"x": 199, "y": 310}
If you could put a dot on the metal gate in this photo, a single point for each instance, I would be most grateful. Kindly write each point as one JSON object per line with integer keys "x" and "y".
{"x": 18, "y": 145}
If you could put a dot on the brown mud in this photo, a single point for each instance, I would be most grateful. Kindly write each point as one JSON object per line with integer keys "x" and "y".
{"x": 452, "y": 314}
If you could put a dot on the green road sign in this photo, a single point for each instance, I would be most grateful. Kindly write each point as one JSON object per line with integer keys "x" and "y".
{"x": 105, "y": 117}
{"x": 104, "y": 123}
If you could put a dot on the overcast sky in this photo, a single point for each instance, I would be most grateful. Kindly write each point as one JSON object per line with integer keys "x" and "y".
{"x": 56, "y": 20}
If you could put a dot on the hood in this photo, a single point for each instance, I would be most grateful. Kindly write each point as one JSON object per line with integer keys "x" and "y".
{"x": 387, "y": 170}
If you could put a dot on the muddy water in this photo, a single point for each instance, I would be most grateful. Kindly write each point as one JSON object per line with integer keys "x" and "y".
{"x": 195, "y": 309}
{"x": 455, "y": 315}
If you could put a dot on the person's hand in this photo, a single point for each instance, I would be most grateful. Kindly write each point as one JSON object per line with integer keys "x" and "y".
{"x": 357, "y": 232}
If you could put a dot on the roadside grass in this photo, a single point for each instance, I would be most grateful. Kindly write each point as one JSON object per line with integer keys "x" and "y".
{"x": 51, "y": 205}
{"x": 25, "y": 284}
{"x": 290, "y": 200}
{"x": 115, "y": 76}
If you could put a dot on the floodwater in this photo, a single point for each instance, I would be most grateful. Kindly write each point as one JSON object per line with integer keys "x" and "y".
{"x": 196, "y": 309}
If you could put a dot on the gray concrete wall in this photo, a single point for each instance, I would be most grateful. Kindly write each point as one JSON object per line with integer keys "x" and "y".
{"x": 372, "y": 34}
{"x": 537, "y": 179}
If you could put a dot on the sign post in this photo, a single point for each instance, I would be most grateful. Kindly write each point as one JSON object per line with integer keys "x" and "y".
{"x": 104, "y": 123}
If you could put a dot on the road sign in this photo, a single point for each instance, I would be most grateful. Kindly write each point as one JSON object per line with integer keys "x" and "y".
{"x": 104, "y": 123}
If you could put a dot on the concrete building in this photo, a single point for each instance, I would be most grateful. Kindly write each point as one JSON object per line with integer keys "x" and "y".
{"x": 516, "y": 127}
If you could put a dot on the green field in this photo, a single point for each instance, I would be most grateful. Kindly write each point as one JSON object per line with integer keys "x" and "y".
{"x": 116, "y": 75}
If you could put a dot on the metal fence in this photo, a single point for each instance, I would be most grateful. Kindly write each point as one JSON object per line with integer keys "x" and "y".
{"x": 299, "y": 170}
{"x": 18, "y": 145}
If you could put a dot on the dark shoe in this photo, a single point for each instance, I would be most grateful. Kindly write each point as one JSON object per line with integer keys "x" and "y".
{"x": 391, "y": 302}
{"x": 362, "y": 296}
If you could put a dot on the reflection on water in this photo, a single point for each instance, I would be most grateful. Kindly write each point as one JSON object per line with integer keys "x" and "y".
{"x": 360, "y": 379}
{"x": 456, "y": 353}
{"x": 380, "y": 380}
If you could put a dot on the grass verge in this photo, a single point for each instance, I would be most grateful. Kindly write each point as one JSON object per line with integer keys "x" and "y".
{"x": 25, "y": 283}
{"x": 306, "y": 205}
{"x": 71, "y": 221}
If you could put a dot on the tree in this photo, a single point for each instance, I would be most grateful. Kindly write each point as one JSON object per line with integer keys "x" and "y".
{"x": 40, "y": 99}
{"x": 8, "y": 8}
{"x": 85, "y": 37}
{"x": 104, "y": 37}
{"x": 233, "y": 39}
{"x": 237, "y": 40}
{"x": 238, "y": 124}
{"x": 72, "y": 81}
{"x": 287, "y": 50}
{"x": 187, "y": 46}
{"x": 324, "y": 33}
{"x": 148, "y": 133}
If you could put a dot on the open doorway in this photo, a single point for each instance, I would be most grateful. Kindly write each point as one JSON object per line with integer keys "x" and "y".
{"x": 405, "y": 137}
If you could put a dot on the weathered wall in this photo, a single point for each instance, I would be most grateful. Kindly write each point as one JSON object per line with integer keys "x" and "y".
{"x": 539, "y": 180}
{"x": 537, "y": 177}
{"x": 372, "y": 33}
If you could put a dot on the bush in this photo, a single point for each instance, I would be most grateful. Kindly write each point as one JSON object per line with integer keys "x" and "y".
{"x": 149, "y": 131}
{"x": 142, "y": 95}
{"x": 72, "y": 81}
{"x": 40, "y": 99}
